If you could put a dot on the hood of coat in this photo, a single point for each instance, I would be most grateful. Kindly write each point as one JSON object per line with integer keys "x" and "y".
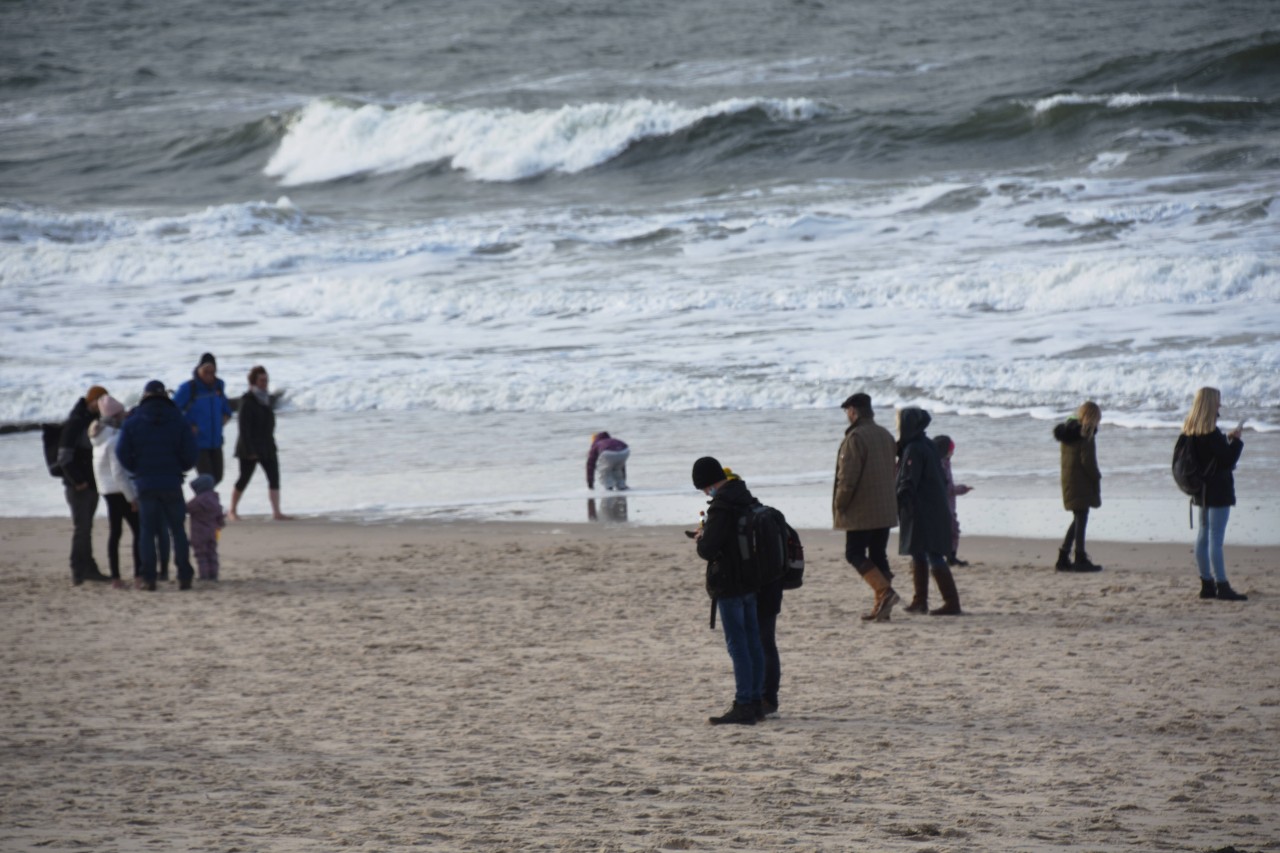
{"x": 733, "y": 494}
{"x": 156, "y": 409}
{"x": 912, "y": 423}
{"x": 1069, "y": 431}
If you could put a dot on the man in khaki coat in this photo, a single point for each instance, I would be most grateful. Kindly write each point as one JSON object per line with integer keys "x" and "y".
{"x": 864, "y": 503}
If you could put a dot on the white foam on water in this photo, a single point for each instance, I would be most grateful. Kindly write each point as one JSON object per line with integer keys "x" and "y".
{"x": 329, "y": 140}
{"x": 1129, "y": 100}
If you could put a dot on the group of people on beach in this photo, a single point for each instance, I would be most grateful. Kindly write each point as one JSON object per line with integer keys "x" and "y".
{"x": 881, "y": 483}
{"x": 137, "y": 461}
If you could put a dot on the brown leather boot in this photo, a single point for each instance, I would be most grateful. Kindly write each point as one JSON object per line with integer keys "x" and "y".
{"x": 886, "y": 598}
{"x": 950, "y": 595}
{"x": 920, "y": 582}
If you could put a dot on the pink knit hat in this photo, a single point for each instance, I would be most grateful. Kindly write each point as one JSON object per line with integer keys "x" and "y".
{"x": 109, "y": 407}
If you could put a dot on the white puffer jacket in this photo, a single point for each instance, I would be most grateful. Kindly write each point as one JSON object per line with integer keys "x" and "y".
{"x": 110, "y": 473}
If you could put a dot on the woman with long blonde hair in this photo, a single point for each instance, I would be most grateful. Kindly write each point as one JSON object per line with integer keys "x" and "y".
{"x": 1217, "y": 455}
{"x": 1081, "y": 482}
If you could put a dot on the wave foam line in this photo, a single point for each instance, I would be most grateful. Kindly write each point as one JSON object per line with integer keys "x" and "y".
{"x": 328, "y": 140}
{"x": 1126, "y": 100}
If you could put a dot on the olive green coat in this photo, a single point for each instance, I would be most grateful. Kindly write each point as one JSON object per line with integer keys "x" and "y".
{"x": 1081, "y": 478}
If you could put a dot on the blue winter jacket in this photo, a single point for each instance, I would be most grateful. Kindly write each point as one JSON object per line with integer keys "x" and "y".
{"x": 157, "y": 446}
{"x": 206, "y": 408}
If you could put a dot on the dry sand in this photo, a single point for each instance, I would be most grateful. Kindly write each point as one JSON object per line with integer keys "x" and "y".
{"x": 540, "y": 687}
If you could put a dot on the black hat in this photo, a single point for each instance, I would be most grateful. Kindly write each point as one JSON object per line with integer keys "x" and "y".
{"x": 207, "y": 358}
{"x": 707, "y": 472}
{"x": 155, "y": 388}
{"x": 857, "y": 401}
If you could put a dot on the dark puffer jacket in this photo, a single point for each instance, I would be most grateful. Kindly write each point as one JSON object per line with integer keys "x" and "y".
{"x": 924, "y": 518}
{"x": 1081, "y": 479}
{"x": 257, "y": 438}
{"x": 157, "y": 446}
{"x": 1217, "y": 456}
{"x": 75, "y": 451}
{"x": 719, "y": 542}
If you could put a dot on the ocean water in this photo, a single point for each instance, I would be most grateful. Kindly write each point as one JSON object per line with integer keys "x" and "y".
{"x": 464, "y": 236}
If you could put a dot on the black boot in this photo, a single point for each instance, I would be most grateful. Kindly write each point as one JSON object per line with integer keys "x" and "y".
{"x": 739, "y": 714}
{"x": 950, "y": 595}
{"x": 1226, "y": 593}
{"x": 920, "y": 582}
{"x": 953, "y": 560}
{"x": 1064, "y": 560}
{"x": 1084, "y": 564}
{"x": 1208, "y": 589}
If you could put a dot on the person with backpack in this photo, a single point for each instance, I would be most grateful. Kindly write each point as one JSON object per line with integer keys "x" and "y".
{"x": 732, "y": 589}
{"x": 863, "y": 503}
{"x": 1081, "y": 482}
{"x": 1216, "y": 456}
{"x": 924, "y": 522}
{"x": 202, "y": 400}
{"x": 74, "y": 463}
{"x": 158, "y": 446}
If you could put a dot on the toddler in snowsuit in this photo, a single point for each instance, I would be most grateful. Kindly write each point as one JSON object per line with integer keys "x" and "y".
{"x": 207, "y": 519}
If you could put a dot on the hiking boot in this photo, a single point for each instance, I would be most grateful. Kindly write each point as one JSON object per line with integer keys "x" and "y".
{"x": 770, "y": 706}
{"x": 1064, "y": 560}
{"x": 1208, "y": 589}
{"x": 739, "y": 715}
{"x": 1084, "y": 564}
{"x": 1226, "y": 593}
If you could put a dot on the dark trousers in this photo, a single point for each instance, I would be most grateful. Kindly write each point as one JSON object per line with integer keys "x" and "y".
{"x": 1075, "y": 533}
{"x": 270, "y": 467}
{"x": 210, "y": 462}
{"x": 164, "y": 509}
{"x": 119, "y": 513}
{"x": 83, "y": 503}
{"x": 863, "y": 545}
{"x": 768, "y": 606}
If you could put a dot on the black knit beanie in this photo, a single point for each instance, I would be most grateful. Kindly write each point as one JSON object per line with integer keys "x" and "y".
{"x": 707, "y": 472}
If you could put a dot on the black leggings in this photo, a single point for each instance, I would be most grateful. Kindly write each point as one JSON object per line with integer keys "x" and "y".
{"x": 861, "y": 545}
{"x": 271, "y": 467}
{"x": 120, "y": 512}
{"x": 1075, "y": 533}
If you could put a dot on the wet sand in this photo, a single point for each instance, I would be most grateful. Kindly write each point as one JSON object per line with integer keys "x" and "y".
{"x": 503, "y": 686}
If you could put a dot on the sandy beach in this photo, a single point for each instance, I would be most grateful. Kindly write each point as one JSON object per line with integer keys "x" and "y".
{"x": 505, "y": 686}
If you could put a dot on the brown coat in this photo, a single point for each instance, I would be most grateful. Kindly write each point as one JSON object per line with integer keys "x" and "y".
{"x": 863, "y": 497}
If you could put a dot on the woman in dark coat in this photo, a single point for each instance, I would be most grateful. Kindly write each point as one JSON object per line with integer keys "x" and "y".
{"x": 1081, "y": 482}
{"x": 1217, "y": 455}
{"x": 256, "y": 444}
{"x": 924, "y": 520}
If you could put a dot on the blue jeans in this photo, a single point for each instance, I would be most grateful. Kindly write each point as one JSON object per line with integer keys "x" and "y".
{"x": 164, "y": 510}
{"x": 741, "y": 627}
{"x": 1213, "y": 530}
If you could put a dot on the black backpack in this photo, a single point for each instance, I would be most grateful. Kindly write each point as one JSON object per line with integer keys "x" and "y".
{"x": 51, "y": 434}
{"x": 769, "y": 550}
{"x": 1187, "y": 472}
{"x": 1191, "y": 477}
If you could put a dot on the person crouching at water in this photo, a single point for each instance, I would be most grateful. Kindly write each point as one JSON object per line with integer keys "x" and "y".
{"x": 716, "y": 543}
{"x": 1081, "y": 482}
{"x": 924, "y": 522}
{"x": 1217, "y": 455}
{"x": 610, "y": 455}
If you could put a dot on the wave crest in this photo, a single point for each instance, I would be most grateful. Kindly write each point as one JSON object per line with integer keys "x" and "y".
{"x": 330, "y": 140}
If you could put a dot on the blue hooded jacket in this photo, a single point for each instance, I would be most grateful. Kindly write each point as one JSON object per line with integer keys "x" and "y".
{"x": 206, "y": 408}
{"x": 157, "y": 445}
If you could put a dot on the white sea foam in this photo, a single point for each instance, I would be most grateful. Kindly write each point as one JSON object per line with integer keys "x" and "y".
{"x": 329, "y": 140}
{"x": 1129, "y": 100}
